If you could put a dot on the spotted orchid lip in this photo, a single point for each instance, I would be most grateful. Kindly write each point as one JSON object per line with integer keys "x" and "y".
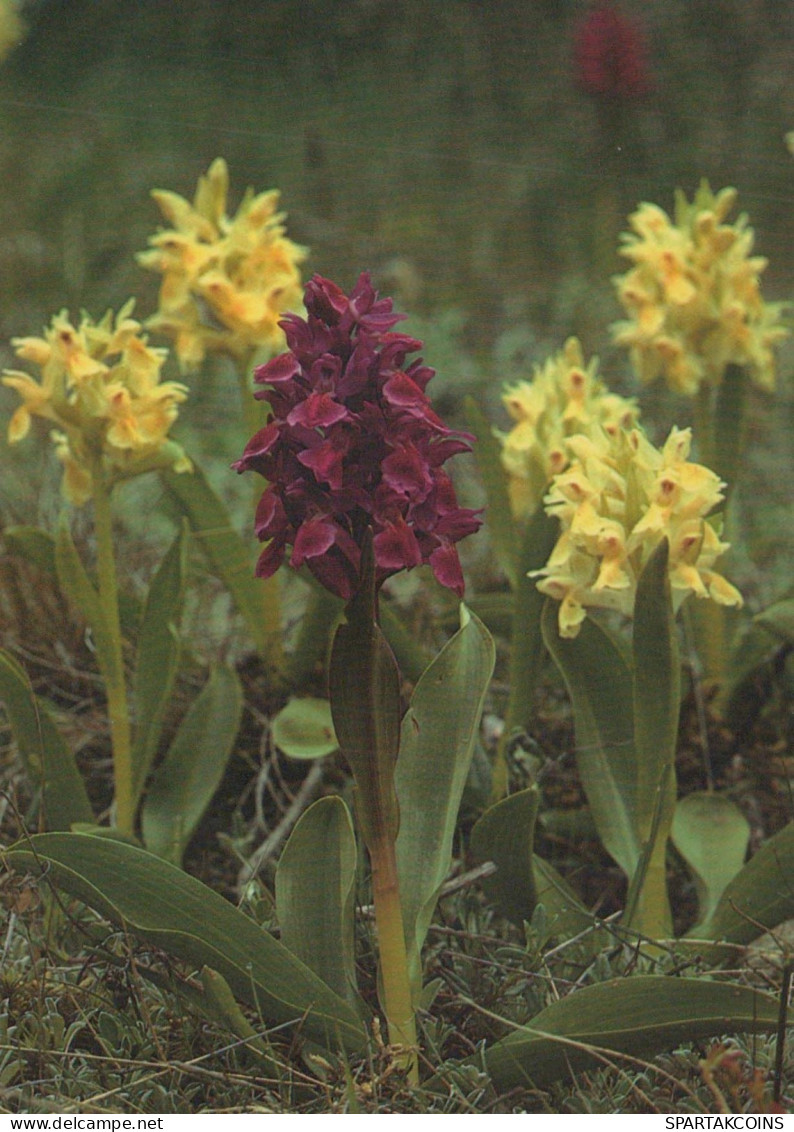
{"x": 352, "y": 443}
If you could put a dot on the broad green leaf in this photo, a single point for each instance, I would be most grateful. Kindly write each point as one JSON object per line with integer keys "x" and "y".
{"x": 711, "y": 833}
{"x": 501, "y": 524}
{"x": 748, "y": 672}
{"x": 505, "y": 834}
{"x": 759, "y": 898}
{"x": 315, "y": 890}
{"x": 157, "y": 660}
{"x": 729, "y": 413}
{"x": 438, "y": 736}
{"x": 778, "y": 619}
{"x": 220, "y": 1005}
{"x": 38, "y": 548}
{"x": 304, "y": 729}
{"x": 225, "y": 550}
{"x": 600, "y": 686}
{"x": 567, "y": 916}
{"x": 495, "y": 610}
{"x": 364, "y": 684}
{"x": 48, "y": 761}
{"x": 640, "y": 1016}
{"x": 77, "y": 586}
{"x": 410, "y": 653}
{"x": 526, "y": 641}
{"x": 657, "y": 697}
{"x": 657, "y": 689}
{"x": 160, "y": 904}
{"x": 190, "y": 773}
{"x": 320, "y": 617}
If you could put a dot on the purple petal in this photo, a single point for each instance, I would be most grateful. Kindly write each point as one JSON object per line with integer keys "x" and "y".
{"x": 396, "y": 547}
{"x": 270, "y": 559}
{"x": 445, "y": 564}
{"x": 406, "y": 472}
{"x": 326, "y": 462}
{"x": 275, "y": 372}
{"x": 319, "y": 410}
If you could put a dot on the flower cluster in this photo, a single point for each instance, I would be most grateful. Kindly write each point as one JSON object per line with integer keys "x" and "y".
{"x": 352, "y": 443}
{"x": 694, "y": 297}
{"x": 226, "y": 280}
{"x": 618, "y": 499}
{"x": 565, "y": 397}
{"x": 100, "y": 386}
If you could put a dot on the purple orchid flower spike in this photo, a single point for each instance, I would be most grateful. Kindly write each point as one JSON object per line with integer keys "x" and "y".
{"x": 351, "y": 444}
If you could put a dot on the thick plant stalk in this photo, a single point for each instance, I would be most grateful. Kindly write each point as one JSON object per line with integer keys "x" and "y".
{"x": 395, "y": 978}
{"x": 364, "y": 687}
{"x": 113, "y": 666}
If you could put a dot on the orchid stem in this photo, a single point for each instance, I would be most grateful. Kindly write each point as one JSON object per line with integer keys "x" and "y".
{"x": 112, "y": 665}
{"x": 395, "y": 979}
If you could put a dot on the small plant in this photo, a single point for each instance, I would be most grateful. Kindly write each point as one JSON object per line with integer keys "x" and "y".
{"x": 100, "y": 388}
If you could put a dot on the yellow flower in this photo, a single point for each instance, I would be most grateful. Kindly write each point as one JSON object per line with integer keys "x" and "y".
{"x": 100, "y": 386}
{"x": 12, "y": 29}
{"x": 564, "y": 398}
{"x": 616, "y": 501}
{"x": 226, "y": 280}
{"x": 693, "y": 295}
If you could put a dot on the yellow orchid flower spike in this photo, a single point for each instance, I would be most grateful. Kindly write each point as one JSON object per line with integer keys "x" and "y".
{"x": 693, "y": 296}
{"x": 100, "y": 387}
{"x": 565, "y": 398}
{"x": 226, "y": 281}
{"x": 617, "y": 500}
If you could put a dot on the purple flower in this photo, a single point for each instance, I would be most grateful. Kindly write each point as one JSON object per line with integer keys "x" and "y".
{"x": 351, "y": 442}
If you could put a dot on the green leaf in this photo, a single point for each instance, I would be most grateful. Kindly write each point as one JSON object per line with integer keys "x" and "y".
{"x": 315, "y": 890}
{"x": 639, "y": 1016}
{"x": 526, "y": 641}
{"x": 600, "y": 686}
{"x": 320, "y": 616}
{"x": 77, "y": 586}
{"x": 657, "y": 697}
{"x": 220, "y": 1005}
{"x": 748, "y": 675}
{"x": 759, "y": 898}
{"x": 499, "y": 516}
{"x": 657, "y": 691}
{"x": 505, "y": 834}
{"x": 364, "y": 684}
{"x": 567, "y": 916}
{"x": 225, "y": 550}
{"x": 778, "y": 619}
{"x": 495, "y": 610}
{"x": 158, "y": 903}
{"x": 438, "y": 737}
{"x": 729, "y": 413}
{"x": 410, "y": 653}
{"x": 712, "y": 834}
{"x": 191, "y": 771}
{"x": 304, "y": 729}
{"x": 157, "y": 660}
{"x": 48, "y": 761}
{"x": 38, "y": 548}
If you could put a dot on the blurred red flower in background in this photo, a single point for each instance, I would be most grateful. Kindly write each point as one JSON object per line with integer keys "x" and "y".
{"x": 611, "y": 56}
